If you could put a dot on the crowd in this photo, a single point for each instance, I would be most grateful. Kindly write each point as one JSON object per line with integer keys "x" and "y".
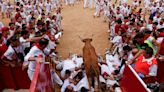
{"x": 35, "y": 30}
{"x": 136, "y": 33}
{"x": 32, "y": 34}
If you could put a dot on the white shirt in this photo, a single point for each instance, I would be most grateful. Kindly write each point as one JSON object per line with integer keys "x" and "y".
{"x": 159, "y": 40}
{"x": 28, "y": 18}
{"x": 66, "y": 83}
{"x": 150, "y": 38}
{"x": 82, "y": 83}
{"x": 153, "y": 9}
{"x": 119, "y": 16}
{"x": 160, "y": 26}
{"x": 67, "y": 65}
{"x": 155, "y": 19}
{"x": 4, "y": 7}
{"x": 10, "y": 8}
{"x": 34, "y": 52}
{"x": 29, "y": 7}
{"x": 150, "y": 27}
{"x": 18, "y": 24}
{"x": 48, "y": 7}
{"x": 135, "y": 4}
{"x": 1, "y": 25}
{"x": 41, "y": 5}
{"x": 105, "y": 69}
{"x": 117, "y": 39}
{"x": 10, "y": 51}
{"x": 23, "y": 15}
{"x": 24, "y": 42}
{"x": 11, "y": 33}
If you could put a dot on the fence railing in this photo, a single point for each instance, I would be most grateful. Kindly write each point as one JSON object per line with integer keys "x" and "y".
{"x": 42, "y": 81}
{"x": 131, "y": 82}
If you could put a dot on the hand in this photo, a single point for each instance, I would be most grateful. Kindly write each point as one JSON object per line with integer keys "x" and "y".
{"x": 147, "y": 76}
{"x": 12, "y": 65}
{"x": 39, "y": 59}
{"x": 70, "y": 80}
{"x": 14, "y": 56}
{"x": 128, "y": 62}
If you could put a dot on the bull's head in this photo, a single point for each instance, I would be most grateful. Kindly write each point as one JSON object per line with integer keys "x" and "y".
{"x": 86, "y": 39}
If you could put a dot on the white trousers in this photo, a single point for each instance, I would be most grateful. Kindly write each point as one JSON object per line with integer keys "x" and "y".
{"x": 85, "y": 3}
{"x": 30, "y": 74}
{"x": 56, "y": 78}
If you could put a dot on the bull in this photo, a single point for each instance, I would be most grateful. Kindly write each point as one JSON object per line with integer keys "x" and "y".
{"x": 90, "y": 59}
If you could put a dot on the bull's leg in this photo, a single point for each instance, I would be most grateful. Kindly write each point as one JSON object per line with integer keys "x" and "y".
{"x": 99, "y": 84}
{"x": 90, "y": 83}
{"x": 96, "y": 84}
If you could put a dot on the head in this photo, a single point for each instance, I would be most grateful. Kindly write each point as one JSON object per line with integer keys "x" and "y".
{"x": 148, "y": 52}
{"x": 161, "y": 87}
{"x": 1, "y": 37}
{"x": 19, "y": 19}
{"x": 32, "y": 13}
{"x": 43, "y": 16}
{"x": 150, "y": 21}
{"x": 14, "y": 40}
{"x": 54, "y": 17}
{"x": 78, "y": 77}
{"x": 5, "y": 30}
{"x": 18, "y": 29}
{"x": 12, "y": 26}
{"x": 18, "y": 3}
{"x": 40, "y": 25}
{"x": 87, "y": 40}
{"x": 25, "y": 34}
{"x": 43, "y": 31}
{"x": 126, "y": 19}
{"x": 43, "y": 43}
{"x": 17, "y": 10}
{"x": 139, "y": 38}
{"x": 127, "y": 48}
{"x": 83, "y": 89}
{"x": 67, "y": 73}
{"x": 69, "y": 89}
{"x": 119, "y": 21}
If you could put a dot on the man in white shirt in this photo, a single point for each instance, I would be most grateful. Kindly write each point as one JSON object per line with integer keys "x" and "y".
{"x": 48, "y": 7}
{"x": 11, "y": 54}
{"x": 33, "y": 55}
{"x": 3, "y": 9}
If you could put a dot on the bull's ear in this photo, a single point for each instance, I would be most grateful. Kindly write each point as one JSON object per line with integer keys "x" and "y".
{"x": 90, "y": 39}
{"x": 83, "y": 40}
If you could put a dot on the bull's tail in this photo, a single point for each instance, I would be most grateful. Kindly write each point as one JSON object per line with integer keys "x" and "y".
{"x": 95, "y": 73}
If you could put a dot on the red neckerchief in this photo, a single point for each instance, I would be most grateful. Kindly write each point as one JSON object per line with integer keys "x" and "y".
{"x": 1, "y": 42}
{"x": 5, "y": 36}
{"x": 147, "y": 36}
{"x": 158, "y": 16}
{"x": 37, "y": 45}
{"x": 12, "y": 29}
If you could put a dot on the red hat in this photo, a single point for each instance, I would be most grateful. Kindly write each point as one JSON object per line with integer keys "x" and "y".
{"x": 105, "y": 74}
{"x": 17, "y": 16}
{"x": 161, "y": 34}
{"x": 4, "y": 29}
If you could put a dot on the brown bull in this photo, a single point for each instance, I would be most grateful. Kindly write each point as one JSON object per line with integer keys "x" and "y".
{"x": 91, "y": 62}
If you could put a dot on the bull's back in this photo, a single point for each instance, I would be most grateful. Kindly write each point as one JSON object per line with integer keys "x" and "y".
{"x": 94, "y": 60}
{"x": 87, "y": 59}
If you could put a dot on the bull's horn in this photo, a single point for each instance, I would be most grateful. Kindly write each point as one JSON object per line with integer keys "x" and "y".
{"x": 92, "y": 35}
{"x": 80, "y": 38}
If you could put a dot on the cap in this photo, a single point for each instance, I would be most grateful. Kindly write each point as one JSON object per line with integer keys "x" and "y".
{"x": 3, "y": 29}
